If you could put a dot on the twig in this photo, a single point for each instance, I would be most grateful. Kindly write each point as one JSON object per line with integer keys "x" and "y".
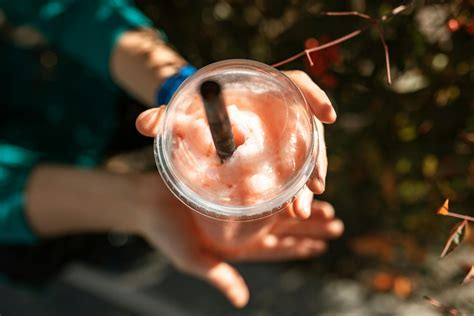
{"x": 352, "y": 13}
{"x": 373, "y": 21}
{"x": 448, "y": 310}
{"x": 387, "y": 55}
{"x": 444, "y": 210}
{"x": 459, "y": 230}
{"x": 307, "y": 52}
{"x": 466, "y": 217}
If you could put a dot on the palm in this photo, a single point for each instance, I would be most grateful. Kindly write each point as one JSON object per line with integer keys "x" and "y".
{"x": 171, "y": 227}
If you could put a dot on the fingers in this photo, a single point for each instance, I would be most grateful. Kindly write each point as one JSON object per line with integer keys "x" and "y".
{"x": 324, "y": 112}
{"x": 322, "y": 210}
{"x": 317, "y": 181}
{"x": 229, "y": 282}
{"x": 317, "y": 98}
{"x": 312, "y": 228}
{"x": 273, "y": 248}
{"x": 221, "y": 275}
{"x": 148, "y": 122}
{"x": 302, "y": 203}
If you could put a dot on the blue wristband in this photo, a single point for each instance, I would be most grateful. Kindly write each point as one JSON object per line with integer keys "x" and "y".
{"x": 169, "y": 87}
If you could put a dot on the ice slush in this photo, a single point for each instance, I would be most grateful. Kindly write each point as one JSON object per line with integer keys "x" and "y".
{"x": 272, "y": 145}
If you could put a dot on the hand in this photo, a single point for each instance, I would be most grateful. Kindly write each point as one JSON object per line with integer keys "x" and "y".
{"x": 172, "y": 229}
{"x": 168, "y": 224}
{"x": 148, "y": 122}
{"x": 324, "y": 112}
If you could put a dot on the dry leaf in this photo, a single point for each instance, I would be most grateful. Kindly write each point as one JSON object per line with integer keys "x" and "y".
{"x": 443, "y": 210}
{"x": 455, "y": 239}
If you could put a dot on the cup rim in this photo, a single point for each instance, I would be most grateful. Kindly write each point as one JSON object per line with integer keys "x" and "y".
{"x": 228, "y": 212}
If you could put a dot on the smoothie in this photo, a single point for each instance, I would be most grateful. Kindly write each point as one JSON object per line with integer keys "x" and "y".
{"x": 276, "y": 148}
{"x": 271, "y": 148}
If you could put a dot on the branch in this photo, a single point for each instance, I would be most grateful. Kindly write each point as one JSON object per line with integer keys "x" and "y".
{"x": 326, "y": 45}
{"x": 444, "y": 210}
{"x": 387, "y": 56}
{"x": 352, "y": 13}
{"x": 456, "y": 215}
{"x": 372, "y": 20}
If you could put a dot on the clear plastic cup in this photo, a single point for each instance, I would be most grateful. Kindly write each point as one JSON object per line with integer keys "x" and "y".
{"x": 224, "y": 219}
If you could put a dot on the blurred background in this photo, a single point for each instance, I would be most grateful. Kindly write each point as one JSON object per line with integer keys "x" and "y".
{"x": 395, "y": 154}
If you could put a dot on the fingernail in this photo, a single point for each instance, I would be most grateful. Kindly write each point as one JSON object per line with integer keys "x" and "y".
{"x": 333, "y": 114}
{"x": 307, "y": 212}
{"x": 304, "y": 212}
{"x": 318, "y": 246}
{"x": 270, "y": 241}
{"x": 151, "y": 119}
{"x": 322, "y": 181}
{"x": 336, "y": 227}
{"x": 322, "y": 184}
{"x": 238, "y": 297}
{"x": 288, "y": 241}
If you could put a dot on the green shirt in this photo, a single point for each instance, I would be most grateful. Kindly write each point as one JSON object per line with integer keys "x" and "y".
{"x": 57, "y": 101}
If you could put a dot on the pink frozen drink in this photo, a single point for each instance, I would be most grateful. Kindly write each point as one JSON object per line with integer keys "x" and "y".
{"x": 274, "y": 134}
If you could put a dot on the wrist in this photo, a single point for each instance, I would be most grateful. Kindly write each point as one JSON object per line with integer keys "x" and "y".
{"x": 172, "y": 83}
{"x": 141, "y": 62}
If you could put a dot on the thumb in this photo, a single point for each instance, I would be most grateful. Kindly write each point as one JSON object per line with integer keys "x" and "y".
{"x": 148, "y": 122}
{"x": 224, "y": 277}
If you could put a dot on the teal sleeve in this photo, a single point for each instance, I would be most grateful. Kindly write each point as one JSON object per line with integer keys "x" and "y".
{"x": 16, "y": 164}
{"x": 86, "y": 30}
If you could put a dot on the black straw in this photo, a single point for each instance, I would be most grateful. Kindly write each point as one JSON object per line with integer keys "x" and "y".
{"x": 218, "y": 119}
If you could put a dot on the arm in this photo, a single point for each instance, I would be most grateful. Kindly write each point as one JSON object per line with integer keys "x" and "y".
{"x": 63, "y": 200}
{"x": 45, "y": 201}
{"x": 112, "y": 38}
{"x": 39, "y": 201}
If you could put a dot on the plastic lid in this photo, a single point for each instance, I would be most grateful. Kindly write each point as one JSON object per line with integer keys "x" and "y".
{"x": 273, "y": 128}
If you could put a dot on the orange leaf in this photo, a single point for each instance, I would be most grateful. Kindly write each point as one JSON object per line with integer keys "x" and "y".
{"x": 443, "y": 210}
{"x": 469, "y": 277}
{"x": 402, "y": 286}
{"x": 383, "y": 281}
{"x": 457, "y": 236}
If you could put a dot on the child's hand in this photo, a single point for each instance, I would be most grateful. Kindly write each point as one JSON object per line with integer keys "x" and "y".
{"x": 167, "y": 224}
